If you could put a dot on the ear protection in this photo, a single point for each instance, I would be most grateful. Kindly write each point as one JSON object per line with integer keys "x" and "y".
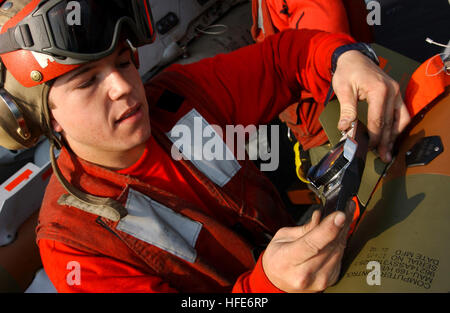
{"x": 23, "y": 114}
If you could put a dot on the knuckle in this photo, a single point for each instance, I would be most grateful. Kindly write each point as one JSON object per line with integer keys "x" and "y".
{"x": 348, "y": 112}
{"x": 302, "y": 282}
{"x": 381, "y": 88}
{"x": 321, "y": 282}
{"x": 378, "y": 122}
{"x": 311, "y": 245}
{"x": 333, "y": 278}
{"x": 395, "y": 87}
{"x": 282, "y": 232}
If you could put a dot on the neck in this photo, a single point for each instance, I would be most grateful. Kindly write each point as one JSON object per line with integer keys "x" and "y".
{"x": 113, "y": 160}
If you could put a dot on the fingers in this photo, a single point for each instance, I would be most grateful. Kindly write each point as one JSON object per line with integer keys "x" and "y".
{"x": 324, "y": 268}
{"x": 386, "y": 125}
{"x": 339, "y": 243}
{"x": 330, "y": 270}
{"x": 376, "y": 113}
{"x": 287, "y": 234}
{"x": 357, "y": 78}
{"x": 319, "y": 237}
{"x": 401, "y": 119}
{"x": 348, "y": 106}
{"x": 383, "y": 101}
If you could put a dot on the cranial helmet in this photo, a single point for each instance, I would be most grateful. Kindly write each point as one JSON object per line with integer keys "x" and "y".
{"x": 41, "y": 40}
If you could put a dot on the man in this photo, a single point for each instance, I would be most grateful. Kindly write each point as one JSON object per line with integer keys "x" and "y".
{"x": 123, "y": 211}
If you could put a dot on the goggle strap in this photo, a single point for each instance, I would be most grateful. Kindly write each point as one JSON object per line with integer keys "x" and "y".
{"x": 8, "y": 41}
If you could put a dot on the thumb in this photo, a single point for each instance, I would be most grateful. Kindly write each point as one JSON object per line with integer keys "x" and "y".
{"x": 348, "y": 107}
{"x": 319, "y": 237}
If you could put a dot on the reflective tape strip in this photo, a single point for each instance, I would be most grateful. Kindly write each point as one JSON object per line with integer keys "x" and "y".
{"x": 260, "y": 17}
{"x": 160, "y": 226}
{"x": 22, "y": 177}
{"x": 199, "y": 142}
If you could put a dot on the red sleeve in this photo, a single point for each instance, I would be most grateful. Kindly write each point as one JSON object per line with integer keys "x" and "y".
{"x": 326, "y": 15}
{"x": 71, "y": 270}
{"x": 254, "y": 84}
{"x": 97, "y": 274}
{"x": 255, "y": 281}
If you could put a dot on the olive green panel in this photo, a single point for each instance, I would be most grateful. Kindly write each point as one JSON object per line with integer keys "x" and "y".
{"x": 7, "y": 282}
{"x": 398, "y": 67}
{"x": 405, "y": 228}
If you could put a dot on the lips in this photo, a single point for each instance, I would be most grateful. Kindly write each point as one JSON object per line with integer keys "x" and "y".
{"x": 128, "y": 113}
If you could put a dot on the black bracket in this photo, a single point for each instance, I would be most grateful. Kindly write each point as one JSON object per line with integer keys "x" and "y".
{"x": 425, "y": 151}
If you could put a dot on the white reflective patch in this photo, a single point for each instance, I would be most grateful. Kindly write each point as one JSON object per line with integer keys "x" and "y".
{"x": 199, "y": 142}
{"x": 42, "y": 58}
{"x": 260, "y": 17}
{"x": 160, "y": 226}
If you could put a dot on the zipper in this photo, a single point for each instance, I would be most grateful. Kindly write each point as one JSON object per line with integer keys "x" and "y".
{"x": 105, "y": 226}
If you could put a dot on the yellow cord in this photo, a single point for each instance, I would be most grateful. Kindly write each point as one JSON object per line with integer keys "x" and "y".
{"x": 298, "y": 164}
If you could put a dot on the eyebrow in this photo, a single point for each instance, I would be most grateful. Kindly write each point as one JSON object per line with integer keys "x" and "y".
{"x": 79, "y": 72}
{"x": 87, "y": 68}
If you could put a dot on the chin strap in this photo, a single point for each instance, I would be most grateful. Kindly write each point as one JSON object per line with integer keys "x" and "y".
{"x": 105, "y": 207}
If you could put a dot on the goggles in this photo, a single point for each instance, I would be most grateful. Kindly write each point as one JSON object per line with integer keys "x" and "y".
{"x": 83, "y": 30}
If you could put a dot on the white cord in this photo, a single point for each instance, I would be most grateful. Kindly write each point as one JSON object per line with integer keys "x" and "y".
{"x": 431, "y": 41}
{"x": 444, "y": 68}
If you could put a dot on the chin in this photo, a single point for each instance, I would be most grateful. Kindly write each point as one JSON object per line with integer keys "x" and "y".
{"x": 141, "y": 137}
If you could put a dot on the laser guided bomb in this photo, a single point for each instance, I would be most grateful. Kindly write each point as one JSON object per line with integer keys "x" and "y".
{"x": 400, "y": 243}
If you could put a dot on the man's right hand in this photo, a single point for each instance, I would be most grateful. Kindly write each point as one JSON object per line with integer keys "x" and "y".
{"x": 308, "y": 258}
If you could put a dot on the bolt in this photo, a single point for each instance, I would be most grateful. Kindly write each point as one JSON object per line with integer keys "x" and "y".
{"x": 36, "y": 76}
{"x": 7, "y": 5}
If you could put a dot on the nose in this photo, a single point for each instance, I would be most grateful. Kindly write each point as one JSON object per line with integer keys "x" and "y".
{"x": 119, "y": 85}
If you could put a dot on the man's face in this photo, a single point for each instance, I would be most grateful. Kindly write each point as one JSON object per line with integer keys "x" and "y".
{"x": 101, "y": 107}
